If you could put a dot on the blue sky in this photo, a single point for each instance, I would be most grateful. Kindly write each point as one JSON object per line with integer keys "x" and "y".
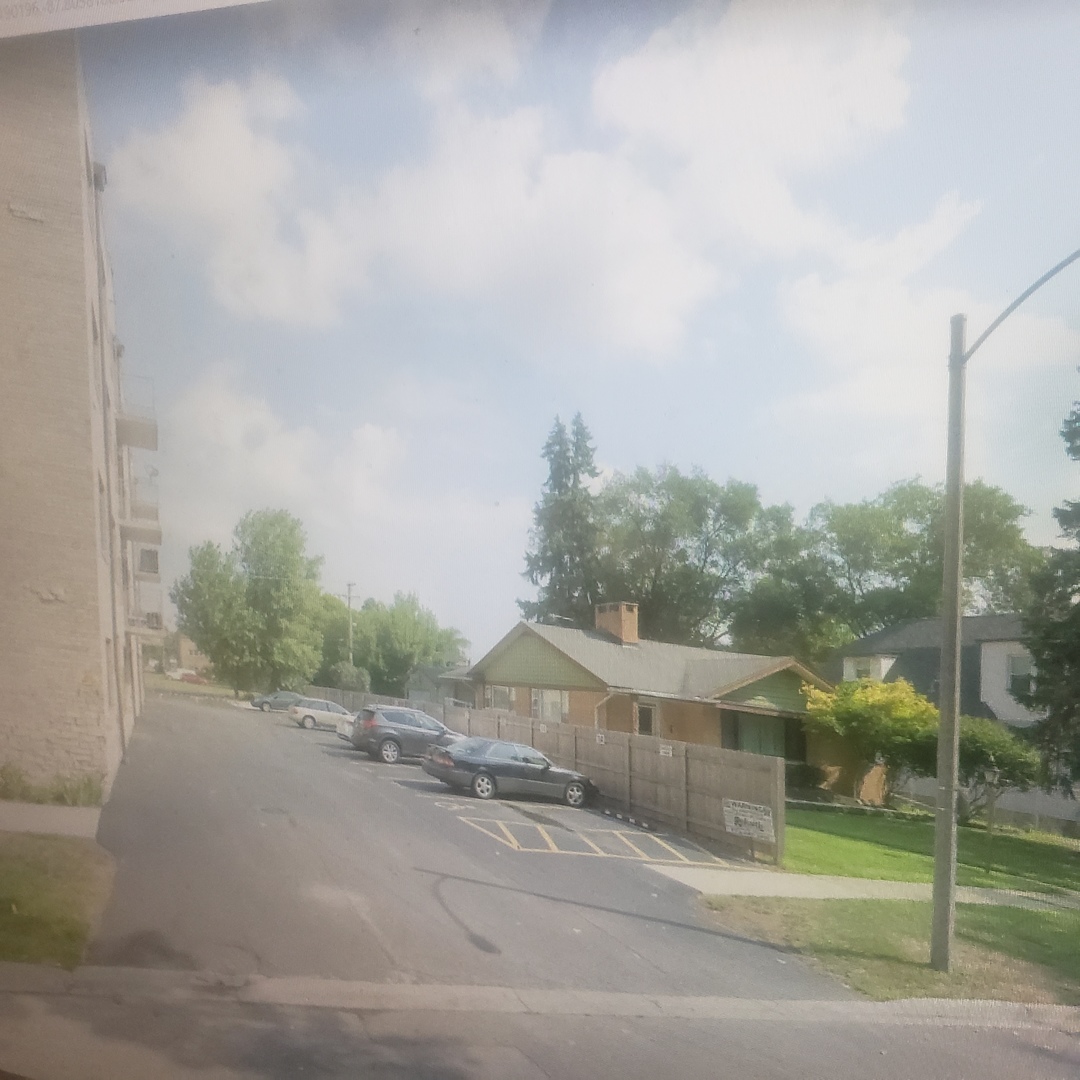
{"x": 366, "y": 253}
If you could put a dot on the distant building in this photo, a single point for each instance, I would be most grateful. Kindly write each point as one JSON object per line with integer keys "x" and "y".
{"x": 994, "y": 664}
{"x": 189, "y": 658}
{"x": 79, "y": 576}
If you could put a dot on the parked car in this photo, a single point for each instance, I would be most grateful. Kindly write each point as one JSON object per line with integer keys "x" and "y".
{"x": 391, "y": 733}
{"x": 490, "y": 767}
{"x": 278, "y": 701}
{"x": 314, "y": 712}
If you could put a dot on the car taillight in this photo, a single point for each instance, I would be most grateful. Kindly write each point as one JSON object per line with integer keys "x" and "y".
{"x": 370, "y": 721}
{"x": 442, "y": 757}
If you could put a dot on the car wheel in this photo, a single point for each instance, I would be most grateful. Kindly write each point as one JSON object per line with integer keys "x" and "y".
{"x": 574, "y": 795}
{"x": 265, "y": 706}
{"x": 483, "y": 786}
{"x": 309, "y": 722}
{"x": 389, "y": 751}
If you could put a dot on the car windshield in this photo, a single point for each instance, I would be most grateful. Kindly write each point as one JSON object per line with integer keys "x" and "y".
{"x": 471, "y": 746}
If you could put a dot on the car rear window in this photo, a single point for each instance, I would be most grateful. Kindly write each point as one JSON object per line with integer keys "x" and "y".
{"x": 473, "y": 745}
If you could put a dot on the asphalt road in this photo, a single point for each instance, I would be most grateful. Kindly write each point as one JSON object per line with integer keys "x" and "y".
{"x": 246, "y": 845}
{"x": 369, "y": 923}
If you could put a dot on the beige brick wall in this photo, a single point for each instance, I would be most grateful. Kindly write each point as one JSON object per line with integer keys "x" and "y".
{"x": 68, "y": 684}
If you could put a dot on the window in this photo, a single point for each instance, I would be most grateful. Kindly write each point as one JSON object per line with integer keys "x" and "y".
{"x": 396, "y": 716}
{"x": 1019, "y": 679}
{"x": 794, "y": 739}
{"x": 499, "y": 697}
{"x": 729, "y": 730}
{"x": 646, "y": 715}
{"x": 553, "y": 705}
{"x": 865, "y": 667}
{"x": 503, "y": 752}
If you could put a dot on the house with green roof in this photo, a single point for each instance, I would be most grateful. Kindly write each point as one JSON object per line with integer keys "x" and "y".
{"x": 608, "y": 677}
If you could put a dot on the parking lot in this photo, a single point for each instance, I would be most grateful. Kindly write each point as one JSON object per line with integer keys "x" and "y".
{"x": 542, "y": 827}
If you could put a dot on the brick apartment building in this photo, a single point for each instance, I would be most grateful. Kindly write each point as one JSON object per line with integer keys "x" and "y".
{"x": 79, "y": 538}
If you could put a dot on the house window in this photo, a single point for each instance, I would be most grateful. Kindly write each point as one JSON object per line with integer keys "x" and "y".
{"x": 553, "y": 705}
{"x": 499, "y": 697}
{"x": 866, "y": 667}
{"x": 646, "y": 716}
{"x": 1019, "y": 677}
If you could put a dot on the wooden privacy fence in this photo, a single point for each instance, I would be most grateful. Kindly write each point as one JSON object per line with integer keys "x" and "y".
{"x": 724, "y": 795}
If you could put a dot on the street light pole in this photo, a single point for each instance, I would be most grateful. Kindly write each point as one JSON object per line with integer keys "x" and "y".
{"x": 949, "y": 681}
{"x": 952, "y": 601}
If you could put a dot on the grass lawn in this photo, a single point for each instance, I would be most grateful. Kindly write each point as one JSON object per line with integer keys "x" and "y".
{"x": 881, "y": 947}
{"x": 52, "y": 892}
{"x": 153, "y": 680}
{"x": 851, "y": 845}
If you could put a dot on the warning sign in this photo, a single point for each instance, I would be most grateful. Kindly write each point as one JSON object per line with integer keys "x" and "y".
{"x": 749, "y": 819}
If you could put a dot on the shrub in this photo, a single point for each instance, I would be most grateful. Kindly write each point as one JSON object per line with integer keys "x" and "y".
{"x": 346, "y": 676}
{"x": 802, "y": 776}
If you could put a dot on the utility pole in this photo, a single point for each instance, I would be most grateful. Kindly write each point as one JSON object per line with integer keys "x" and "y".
{"x": 349, "y": 586}
{"x": 949, "y": 731}
{"x": 949, "y": 681}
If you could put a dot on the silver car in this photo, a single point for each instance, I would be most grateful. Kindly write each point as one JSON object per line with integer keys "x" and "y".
{"x": 390, "y": 733}
{"x": 314, "y": 712}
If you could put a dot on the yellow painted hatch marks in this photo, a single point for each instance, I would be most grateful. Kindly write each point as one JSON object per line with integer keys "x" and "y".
{"x": 595, "y": 843}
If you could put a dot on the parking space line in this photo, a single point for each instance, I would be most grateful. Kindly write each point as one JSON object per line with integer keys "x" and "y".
{"x": 596, "y": 847}
{"x": 633, "y": 847}
{"x": 674, "y": 851}
{"x": 552, "y": 846}
{"x": 511, "y": 838}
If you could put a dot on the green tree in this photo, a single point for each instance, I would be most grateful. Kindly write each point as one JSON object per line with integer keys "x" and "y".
{"x": 346, "y": 676}
{"x": 561, "y": 560}
{"x": 681, "y": 546}
{"x": 212, "y": 611}
{"x": 793, "y": 605}
{"x": 1052, "y": 636}
{"x": 886, "y": 554}
{"x": 391, "y": 640}
{"x": 879, "y": 722}
{"x": 255, "y": 609}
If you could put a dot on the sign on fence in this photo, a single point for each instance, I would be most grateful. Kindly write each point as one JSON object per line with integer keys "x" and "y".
{"x": 749, "y": 819}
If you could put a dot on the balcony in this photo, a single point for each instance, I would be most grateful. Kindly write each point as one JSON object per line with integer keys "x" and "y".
{"x": 148, "y": 625}
{"x": 141, "y": 531}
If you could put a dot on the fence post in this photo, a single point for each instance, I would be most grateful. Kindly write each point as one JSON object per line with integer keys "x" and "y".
{"x": 629, "y": 772}
{"x": 686, "y": 787}
{"x": 779, "y": 799}
{"x": 575, "y": 765}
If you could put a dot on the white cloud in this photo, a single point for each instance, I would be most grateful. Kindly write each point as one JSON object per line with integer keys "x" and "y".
{"x": 449, "y": 43}
{"x": 746, "y": 101}
{"x": 220, "y": 178}
{"x": 562, "y": 243}
{"x": 226, "y": 451}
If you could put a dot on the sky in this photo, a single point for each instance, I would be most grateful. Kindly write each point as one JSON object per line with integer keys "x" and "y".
{"x": 365, "y": 253}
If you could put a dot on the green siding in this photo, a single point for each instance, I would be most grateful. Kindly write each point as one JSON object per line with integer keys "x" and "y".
{"x": 781, "y": 691}
{"x": 530, "y": 661}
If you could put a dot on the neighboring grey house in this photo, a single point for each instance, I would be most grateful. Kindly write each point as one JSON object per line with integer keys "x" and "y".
{"x": 993, "y": 663}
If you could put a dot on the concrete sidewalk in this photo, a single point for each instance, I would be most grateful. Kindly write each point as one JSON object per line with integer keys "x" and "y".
{"x": 723, "y": 882}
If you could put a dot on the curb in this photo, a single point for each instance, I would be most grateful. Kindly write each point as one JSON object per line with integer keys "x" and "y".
{"x": 180, "y": 987}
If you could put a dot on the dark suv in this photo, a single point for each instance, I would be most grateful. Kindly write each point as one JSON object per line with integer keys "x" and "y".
{"x": 391, "y": 733}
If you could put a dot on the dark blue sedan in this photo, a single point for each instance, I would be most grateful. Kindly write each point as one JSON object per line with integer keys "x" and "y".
{"x": 490, "y": 767}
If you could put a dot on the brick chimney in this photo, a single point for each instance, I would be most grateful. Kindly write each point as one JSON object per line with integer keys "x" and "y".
{"x": 619, "y": 620}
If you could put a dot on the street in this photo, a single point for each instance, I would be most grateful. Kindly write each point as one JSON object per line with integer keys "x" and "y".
{"x": 298, "y": 909}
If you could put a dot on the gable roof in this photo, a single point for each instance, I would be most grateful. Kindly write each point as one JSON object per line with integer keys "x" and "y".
{"x": 655, "y": 667}
{"x": 926, "y": 634}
